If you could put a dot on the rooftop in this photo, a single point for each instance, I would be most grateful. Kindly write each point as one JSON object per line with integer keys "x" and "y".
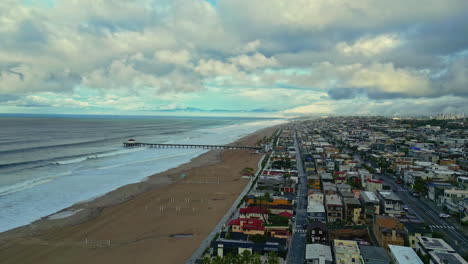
{"x": 387, "y": 222}
{"x": 373, "y": 253}
{"x": 430, "y": 244}
{"x": 446, "y": 257}
{"x": 369, "y": 197}
{"x": 315, "y": 251}
{"x": 404, "y": 255}
{"x": 389, "y": 196}
{"x": 333, "y": 199}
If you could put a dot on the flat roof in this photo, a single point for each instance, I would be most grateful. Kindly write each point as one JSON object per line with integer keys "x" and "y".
{"x": 369, "y": 197}
{"x": 390, "y": 196}
{"x": 430, "y": 243}
{"x": 333, "y": 199}
{"x": 314, "y": 251}
{"x": 404, "y": 255}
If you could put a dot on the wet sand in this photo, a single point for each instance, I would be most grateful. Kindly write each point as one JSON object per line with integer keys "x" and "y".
{"x": 137, "y": 223}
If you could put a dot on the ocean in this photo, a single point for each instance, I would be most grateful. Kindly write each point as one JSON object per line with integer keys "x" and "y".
{"x": 48, "y": 163}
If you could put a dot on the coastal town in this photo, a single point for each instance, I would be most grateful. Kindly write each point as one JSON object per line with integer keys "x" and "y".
{"x": 352, "y": 190}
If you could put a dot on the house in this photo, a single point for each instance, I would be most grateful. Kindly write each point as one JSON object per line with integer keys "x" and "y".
{"x": 318, "y": 232}
{"x": 334, "y": 208}
{"x": 222, "y": 246}
{"x": 438, "y": 250}
{"x": 403, "y": 255}
{"x": 346, "y": 251}
{"x": 318, "y": 254}
{"x": 370, "y": 204}
{"x": 388, "y": 231}
{"x": 451, "y": 199}
{"x": 374, "y": 255}
{"x": 247, "y": 226}
{"x": 435, "y": 190}
{"x": 254, "y": 212}
{"x": 280, "y": 208}
{"x": 373, "y": 185}
{"x": 329, "y": 188}
{"x": 313, "y": 182}
{"x": 343, "y": 187}
{"x": 315, "y": 195}
{"x": 352, "y": 210}
{"x": 390, "y": 204}
{"x": 316, "y": 211}
{"x": 414, "y": 230}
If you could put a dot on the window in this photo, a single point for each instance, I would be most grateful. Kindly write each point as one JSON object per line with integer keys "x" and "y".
{"x": 313, "y": 232}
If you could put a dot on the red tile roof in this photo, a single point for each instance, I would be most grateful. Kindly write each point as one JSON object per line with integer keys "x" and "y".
{"x": 248, "y": 223}
{"x": 285, "y": 214}
{"x": 374, "y": 181}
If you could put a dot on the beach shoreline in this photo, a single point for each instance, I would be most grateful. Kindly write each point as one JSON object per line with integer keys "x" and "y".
{"x": 163, "y": 198}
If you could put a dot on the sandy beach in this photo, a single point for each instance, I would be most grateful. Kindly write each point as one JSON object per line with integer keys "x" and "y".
{"x": 161, "y": 220}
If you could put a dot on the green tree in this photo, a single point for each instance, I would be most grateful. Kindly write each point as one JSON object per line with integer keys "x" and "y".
{"x": 272, "y": 258}
{"x": 419, "y": 185}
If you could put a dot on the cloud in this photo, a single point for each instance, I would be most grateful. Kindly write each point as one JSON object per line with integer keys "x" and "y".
{"x": 253, "y": 62}
{"x": 181, "y": 57}
{"x": 318, "y": 56}
{"x": 369, "y": 46}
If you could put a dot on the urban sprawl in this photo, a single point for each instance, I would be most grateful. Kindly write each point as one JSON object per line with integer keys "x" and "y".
{"x": 353, "y": 190}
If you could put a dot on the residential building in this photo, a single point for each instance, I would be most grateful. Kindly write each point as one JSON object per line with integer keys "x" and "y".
{"x": 247, "y": 226}
{"x": 346, "y": 252}
{"x": 318, "y": 232}
{"x": 414, "y": 230}
{"x": 254, "y": 212}
{"x": 446, "y": 258}
{"x": 374, "y": 255}
{"x": 390, "y": 204}
{"x": 315, "y": 195}
{"x": 435, "y": 191}
{"x": 316, "y": 211}
{"x": 403, "y": 255}
{"x": 334, "y": 208}
{"x": 451, "y": 199}
{"x": 370, "y": 203}
{"x": 318, "y": 254}
{"x": 388, "y": 231}
{"x": 373, "y": 185}
{"x": 438, "y": 250}
{"x": 352, "y": 210}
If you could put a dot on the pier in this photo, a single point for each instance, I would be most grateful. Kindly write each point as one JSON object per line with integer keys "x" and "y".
{"x": 158, "y": 145}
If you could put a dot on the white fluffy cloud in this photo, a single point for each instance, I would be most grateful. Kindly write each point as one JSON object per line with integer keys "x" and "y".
{"x": 368, "y": 46}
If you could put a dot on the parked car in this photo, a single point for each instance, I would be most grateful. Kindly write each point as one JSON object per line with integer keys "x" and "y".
{"x": 442, "y": 215}
{"x": 399, "y": 182}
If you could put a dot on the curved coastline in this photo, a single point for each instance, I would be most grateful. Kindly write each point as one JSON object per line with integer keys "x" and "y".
{"x": 136, "y": 203}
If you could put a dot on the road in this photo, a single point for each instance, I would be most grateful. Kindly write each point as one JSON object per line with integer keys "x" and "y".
{"x": 296, "y": 253}
{"x": 454, "y": 237}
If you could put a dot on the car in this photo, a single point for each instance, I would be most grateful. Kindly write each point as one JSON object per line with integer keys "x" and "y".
{"x": 399, "y": 182}
{"x": 416, "y": 194}
{"x": 442, "y": 215}
{"x": 406, "y": 208}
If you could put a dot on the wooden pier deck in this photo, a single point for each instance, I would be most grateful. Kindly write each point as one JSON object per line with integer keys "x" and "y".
{"x": 158, "y": 145}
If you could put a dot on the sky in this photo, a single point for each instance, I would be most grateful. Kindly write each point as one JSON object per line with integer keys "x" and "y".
{"x": 268, "y": 58}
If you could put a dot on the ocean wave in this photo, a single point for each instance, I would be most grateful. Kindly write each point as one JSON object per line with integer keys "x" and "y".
{"x": 152, "y": 159}
{"x": 19, "y": 150}
{"x": 96, "y": 156}
{"x": 20, "y": 186}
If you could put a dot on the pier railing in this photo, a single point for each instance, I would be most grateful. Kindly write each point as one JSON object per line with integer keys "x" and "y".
{"x": 158, "y": 145}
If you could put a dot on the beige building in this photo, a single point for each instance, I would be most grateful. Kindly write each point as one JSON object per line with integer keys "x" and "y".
{"x": 347, "y": 252}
